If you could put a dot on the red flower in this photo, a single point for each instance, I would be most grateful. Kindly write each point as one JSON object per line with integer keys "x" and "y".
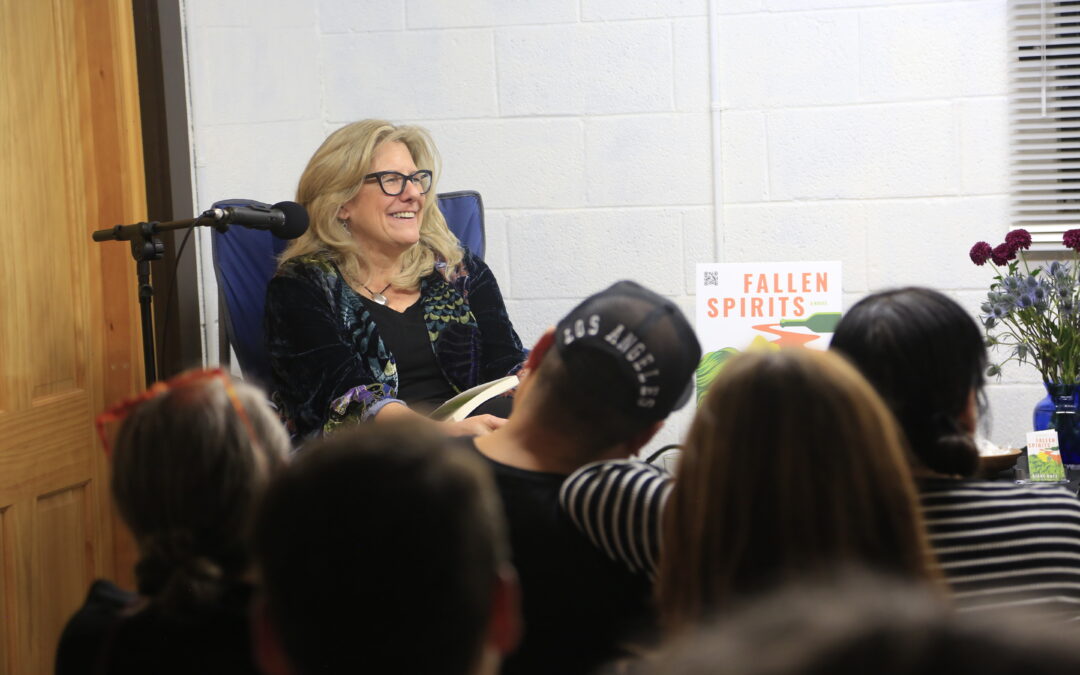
{"x": 1072, "y": 239}
{"x": 980, "y": 252}
{"x": 1002, "y": 254}
{"x": 1018, "y": 239}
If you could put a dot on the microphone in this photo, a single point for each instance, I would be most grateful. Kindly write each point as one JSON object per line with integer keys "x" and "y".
{"x": 285, "y": 220}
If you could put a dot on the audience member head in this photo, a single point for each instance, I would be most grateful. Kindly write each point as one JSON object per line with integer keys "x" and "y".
{"x": 792, "y": 466}
{"x": 189, "y": 466}
{"x": 613, "y": 369}
{"x": 926, "y": 357}
{"x": 865, "y": 624}
{"x": 382, "y": 549}
{"x": 334, "y": 175}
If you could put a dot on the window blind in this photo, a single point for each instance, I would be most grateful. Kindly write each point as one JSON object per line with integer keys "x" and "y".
{"x": 1044, "y": 116}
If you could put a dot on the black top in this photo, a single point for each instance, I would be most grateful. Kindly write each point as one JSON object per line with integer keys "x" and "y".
{"x": 581, "y": 609}
{"x": 86, "y": 631}
{"x": 106, "y": 637}
{"x": 330, "y": 364}
{"x": 421, "y": 382}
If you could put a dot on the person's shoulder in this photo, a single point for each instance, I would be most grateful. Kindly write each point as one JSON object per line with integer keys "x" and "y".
{"x": 943, "y": 491}
{"x": 86, "y": 631}
{"x": 469, "y": 266}
{"x": 623, "y": 467}
{"x": 307, "y": 266}
{"x": 470, "y": 259}
{"x": 519, "y": 482}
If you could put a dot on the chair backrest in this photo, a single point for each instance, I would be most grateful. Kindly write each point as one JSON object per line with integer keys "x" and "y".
{"x": 245, "y": 261}
{"x": 464, "y": 213}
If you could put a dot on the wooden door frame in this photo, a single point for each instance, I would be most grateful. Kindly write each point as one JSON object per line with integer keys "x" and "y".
{"x": 166, "y": 161}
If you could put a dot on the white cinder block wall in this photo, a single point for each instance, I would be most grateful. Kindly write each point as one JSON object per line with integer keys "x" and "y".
{"x": 870, "y": 131}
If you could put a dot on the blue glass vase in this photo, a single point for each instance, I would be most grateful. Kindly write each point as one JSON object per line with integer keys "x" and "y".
{"x": 1059, "y": 411}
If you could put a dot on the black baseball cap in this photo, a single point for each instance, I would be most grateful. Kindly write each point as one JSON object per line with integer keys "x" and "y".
{"x": 645, "y": 335}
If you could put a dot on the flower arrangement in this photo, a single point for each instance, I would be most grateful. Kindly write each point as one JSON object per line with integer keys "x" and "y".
{"x": 1033, "y": 314}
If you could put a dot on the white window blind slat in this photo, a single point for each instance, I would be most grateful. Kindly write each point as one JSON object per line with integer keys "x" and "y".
{"x": 1044, "y": 117}
{"x": 1042, "y": 160}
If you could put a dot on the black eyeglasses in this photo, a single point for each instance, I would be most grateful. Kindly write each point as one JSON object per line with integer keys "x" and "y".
{"x": 393, "y": 182}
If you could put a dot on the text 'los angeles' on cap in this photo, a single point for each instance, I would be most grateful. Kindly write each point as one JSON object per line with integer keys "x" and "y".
{"x": 646, "y": 335}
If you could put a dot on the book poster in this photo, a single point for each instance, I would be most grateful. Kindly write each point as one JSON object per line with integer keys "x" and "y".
{"x": 1044, "y": 457}
{"x": 742, "y": 306}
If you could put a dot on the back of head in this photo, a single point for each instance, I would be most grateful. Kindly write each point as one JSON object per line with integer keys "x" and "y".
{"x": 379, "y": 550}
{"x": 926, "y": 357}
{"x": 622, "y": 360}
{"x": 189, "y": 466}
{"x": 792, "y": 466}
{"x": 865, "y": 624}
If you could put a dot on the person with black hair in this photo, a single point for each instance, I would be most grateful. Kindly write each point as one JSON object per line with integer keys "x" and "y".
{"x": 998, "y": 544}
{"x": 793, "y": 468}
{"x": 382, "y": 549}
{"x": 191, "y": 460}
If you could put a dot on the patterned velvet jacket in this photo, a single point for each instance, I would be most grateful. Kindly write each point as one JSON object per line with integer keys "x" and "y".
{"x": 330, "y": 365}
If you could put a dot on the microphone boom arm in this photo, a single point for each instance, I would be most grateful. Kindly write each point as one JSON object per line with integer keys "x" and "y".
{"x": 147, "y": 230}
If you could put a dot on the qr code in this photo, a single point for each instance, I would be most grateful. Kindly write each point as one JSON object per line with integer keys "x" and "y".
{"x": 710, "y": 278}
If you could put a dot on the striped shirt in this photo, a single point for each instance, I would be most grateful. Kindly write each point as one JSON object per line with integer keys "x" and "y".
{"x": 617, "y": 505}
{"x": 998, "y": 544}
{"x": 1002, "y": 545}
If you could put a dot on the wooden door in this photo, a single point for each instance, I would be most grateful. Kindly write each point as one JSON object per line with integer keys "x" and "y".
{"x": 70, "y": 163}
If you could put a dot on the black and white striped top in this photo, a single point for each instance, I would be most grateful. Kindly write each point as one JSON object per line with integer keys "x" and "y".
{"x": 998, "y": 544}
{"x": 1003, "y": 545}
{"x": 618, "y": 505}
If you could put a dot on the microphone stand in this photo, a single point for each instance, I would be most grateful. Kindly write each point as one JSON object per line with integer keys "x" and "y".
{"x": 145, "y": 247}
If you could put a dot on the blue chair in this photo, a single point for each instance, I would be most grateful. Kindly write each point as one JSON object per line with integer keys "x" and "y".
{"x": 245, "y": 261}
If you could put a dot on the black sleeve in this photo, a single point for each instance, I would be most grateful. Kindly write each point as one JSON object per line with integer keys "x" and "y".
{"x": 318, "y": 374}
{"x": 501, "y": 350}
{"x": 89, "y": 628}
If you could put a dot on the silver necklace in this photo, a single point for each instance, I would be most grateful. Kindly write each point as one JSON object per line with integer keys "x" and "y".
{"x": 378, "y": 298}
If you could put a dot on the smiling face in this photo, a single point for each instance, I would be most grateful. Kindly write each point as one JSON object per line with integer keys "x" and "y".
{"x": 380, "y": 223}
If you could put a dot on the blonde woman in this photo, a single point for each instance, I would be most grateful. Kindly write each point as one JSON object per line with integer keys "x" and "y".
{"x": 377, "y": 312}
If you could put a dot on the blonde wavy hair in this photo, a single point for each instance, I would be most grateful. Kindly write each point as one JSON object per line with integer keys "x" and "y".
{"x": 334, "y": 175}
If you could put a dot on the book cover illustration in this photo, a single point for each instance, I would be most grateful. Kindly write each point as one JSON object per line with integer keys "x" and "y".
{"x": 1044, "y": 457}
{"x": 742, "y": 306}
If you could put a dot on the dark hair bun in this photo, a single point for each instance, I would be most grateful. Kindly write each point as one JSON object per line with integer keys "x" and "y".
{"x": 953, "y": 454}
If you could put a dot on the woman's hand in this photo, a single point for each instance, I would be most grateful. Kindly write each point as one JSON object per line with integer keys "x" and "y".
{"x": 470, "y": 426}
{"x": 473, "y": 426}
